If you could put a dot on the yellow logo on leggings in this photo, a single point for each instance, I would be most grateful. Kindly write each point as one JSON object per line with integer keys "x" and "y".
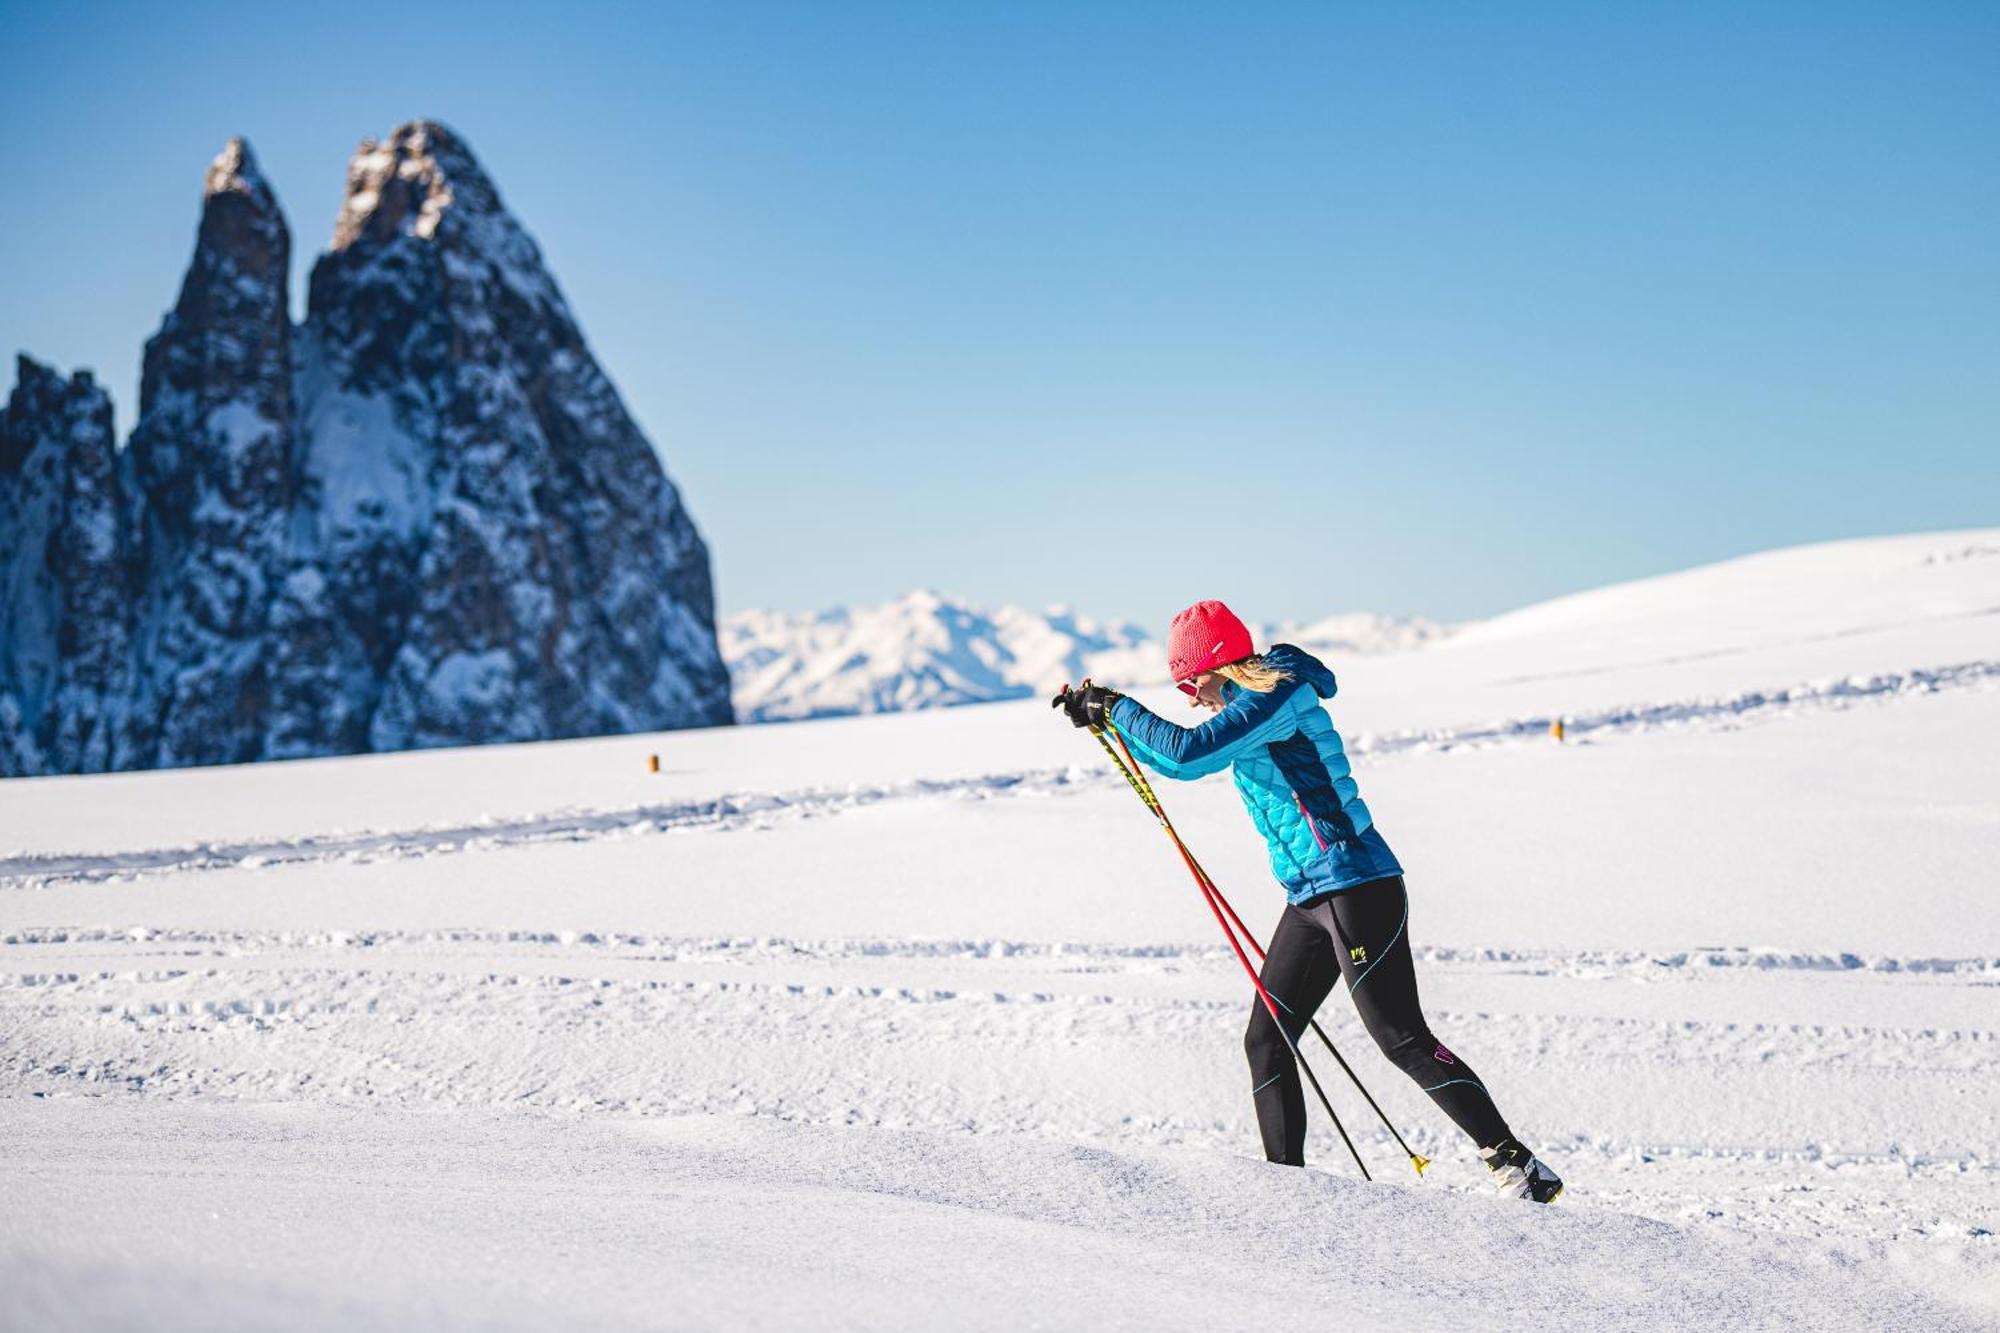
{"x": 1358, "y": 954}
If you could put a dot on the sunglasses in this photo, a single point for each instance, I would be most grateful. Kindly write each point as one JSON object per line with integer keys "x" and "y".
{"x": 1187, "y": 686}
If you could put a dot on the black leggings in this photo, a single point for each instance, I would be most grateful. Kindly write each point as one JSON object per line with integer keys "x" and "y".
{"x": 1363, "y": 934}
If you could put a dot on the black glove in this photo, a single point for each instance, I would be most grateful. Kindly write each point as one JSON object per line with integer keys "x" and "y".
{"x": 1087, "y": 705}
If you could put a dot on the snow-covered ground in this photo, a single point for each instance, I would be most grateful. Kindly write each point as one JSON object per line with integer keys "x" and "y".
{"x": 913, "y": 1021}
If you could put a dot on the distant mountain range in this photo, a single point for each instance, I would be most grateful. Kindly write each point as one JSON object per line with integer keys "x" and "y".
{"x": 928, "y": 650}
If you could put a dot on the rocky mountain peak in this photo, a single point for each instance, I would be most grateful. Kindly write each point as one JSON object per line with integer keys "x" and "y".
{"x": 210, "y": 465}
{"x": 422, "y": 518}
{"x": 405, "y": 184}
{"x": 534, "y": 568}
{"x": 64, "y": 609}
{"x": 243, "y": 236}
{"x": 234, "y": 171}
{"x": 235, "y": 285}
{"x": 422, "y": 240}
{"x": 67, "y": 416}
{"x": 39, "y": 395}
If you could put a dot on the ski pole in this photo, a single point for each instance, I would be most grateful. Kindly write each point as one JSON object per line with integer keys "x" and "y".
{"x": 1144, "y": 789}
{"x": 1417, "y": 1159}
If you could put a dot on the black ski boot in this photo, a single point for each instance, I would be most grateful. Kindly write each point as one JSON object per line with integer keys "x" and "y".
{"x": 1520, "y": 1173}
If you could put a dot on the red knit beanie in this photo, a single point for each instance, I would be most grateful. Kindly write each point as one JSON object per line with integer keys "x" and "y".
{"x": 1205, "y": 636}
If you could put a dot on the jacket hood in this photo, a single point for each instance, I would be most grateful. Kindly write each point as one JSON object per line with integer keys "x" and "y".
{"x": 1302, "y": 665}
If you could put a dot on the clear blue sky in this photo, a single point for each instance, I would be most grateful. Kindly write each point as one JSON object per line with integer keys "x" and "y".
{"x": 1429, "y": 308}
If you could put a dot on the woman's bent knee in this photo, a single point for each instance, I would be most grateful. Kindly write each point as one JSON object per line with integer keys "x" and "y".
{"x": 1263, "y": 1044}
{"x": 1401, "y": 1046}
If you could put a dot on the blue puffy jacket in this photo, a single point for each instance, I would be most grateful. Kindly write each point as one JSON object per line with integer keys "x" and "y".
{"x": 1290, "y": 769}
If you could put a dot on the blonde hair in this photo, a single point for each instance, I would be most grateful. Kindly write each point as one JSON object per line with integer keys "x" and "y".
{"x": 1254, "y": 673}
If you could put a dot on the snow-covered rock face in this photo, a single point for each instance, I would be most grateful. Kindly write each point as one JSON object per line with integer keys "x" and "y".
{"x": 503, "y": 551}
{"x": 64, "y": 569}
{"x": 210, "y": 459}
{"x": 926, "y": 650}
{"x": 423, "y": 517}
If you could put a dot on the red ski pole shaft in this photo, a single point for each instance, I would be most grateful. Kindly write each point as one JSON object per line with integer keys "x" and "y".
{"x": 1271, "y": 1008}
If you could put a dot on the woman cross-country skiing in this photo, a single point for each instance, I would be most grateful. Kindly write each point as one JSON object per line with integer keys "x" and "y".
{"x": 1347, "y": 911}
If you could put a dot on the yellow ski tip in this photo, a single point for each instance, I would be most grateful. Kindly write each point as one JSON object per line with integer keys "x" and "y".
{"x": 1419, "y": 1161}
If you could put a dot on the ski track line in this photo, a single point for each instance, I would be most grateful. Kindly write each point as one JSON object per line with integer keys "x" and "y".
{"x": 1067, "y": 955}
{"x": 188, "y": 998}
{"x": 762, "y": 809}
{"x": 501, "y": 1038}
{"x": 730, "y": 811}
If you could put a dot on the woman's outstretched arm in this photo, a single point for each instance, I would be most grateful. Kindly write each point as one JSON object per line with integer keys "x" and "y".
{"x": 1174, "y": 751}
